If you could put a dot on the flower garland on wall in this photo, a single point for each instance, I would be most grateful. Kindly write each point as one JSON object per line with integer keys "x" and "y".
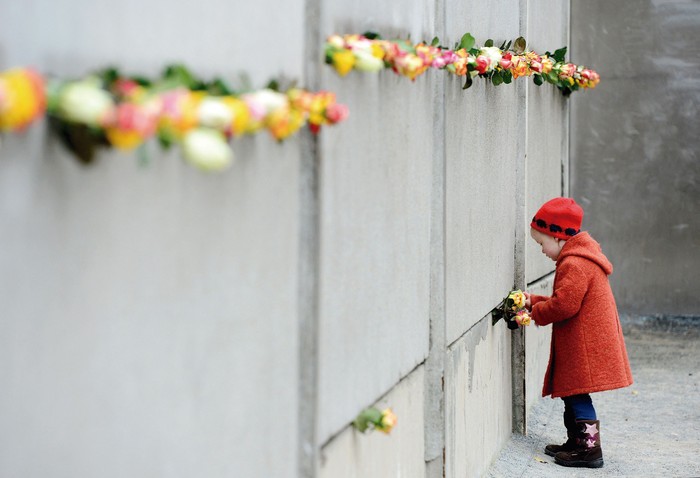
{"x": 109, "y": 109}
{"x": 371, "y": 53}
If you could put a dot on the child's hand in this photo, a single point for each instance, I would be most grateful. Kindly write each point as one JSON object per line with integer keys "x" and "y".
{"x": 528, "y": 303}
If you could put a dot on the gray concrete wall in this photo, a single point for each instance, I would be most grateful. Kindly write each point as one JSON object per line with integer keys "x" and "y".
{"x": 635, "y": 147}
{"x": 159, "y": 321}
{"x": 148, "y": 324}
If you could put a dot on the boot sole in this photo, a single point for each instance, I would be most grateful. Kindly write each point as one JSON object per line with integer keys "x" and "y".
{"x": 598, "y": 463}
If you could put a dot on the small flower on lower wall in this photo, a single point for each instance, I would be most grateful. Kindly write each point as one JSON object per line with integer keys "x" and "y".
{"x": 374, "y": 419}
{"x": 512, "y": 310}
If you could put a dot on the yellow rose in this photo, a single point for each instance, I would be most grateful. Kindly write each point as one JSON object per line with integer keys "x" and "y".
{"x": 388, "y": 421}
{"x": 343, "y": 61}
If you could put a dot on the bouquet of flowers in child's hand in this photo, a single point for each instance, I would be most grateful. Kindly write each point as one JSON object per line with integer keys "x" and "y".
{"x": 512, "y": 310}
{"x": 374, "y": 419}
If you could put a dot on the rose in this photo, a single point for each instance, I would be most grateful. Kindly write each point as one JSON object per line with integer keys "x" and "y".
{"x": 371, "y": 418}
{"x": 335, "y": 113}
{"x": 214, "y": 113}
{"x": 85, "y": 102}
{"x": 343, "y": 61}
{"x": 523, "y": 318}
{"x": 567, "y": 70}
{"x": 23, "y": 98}
{"x": 482, "y": 64}
{"x": 335, "y": 41}
{"x": 387, "y": 422}
{"x": 547, "y": 64}
{"x": 132, "y": 123}
{"x": 492, "y": 53}
{"x": 409, "y": 65}
{"x": 518, "y": 299}
{"x": 207, "y": 149}
{"x": 366, "y": 61}
{"x": 506, "y": 61}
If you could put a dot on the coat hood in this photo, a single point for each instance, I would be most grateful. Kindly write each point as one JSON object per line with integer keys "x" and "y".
{"x": 583, "y": 245}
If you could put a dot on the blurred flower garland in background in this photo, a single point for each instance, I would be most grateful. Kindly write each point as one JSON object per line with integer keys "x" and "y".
{"x": 370, "y": 53}
{"x": 108, "y": 109}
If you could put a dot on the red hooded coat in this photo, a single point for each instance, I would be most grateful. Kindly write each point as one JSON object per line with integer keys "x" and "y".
{"x": 588, "y": 351}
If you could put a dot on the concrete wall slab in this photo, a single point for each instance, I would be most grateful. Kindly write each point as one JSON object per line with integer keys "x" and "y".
{"x": 635, "y": 148}
{"x": 477, "y": 398}
{"x": 149, "y": 313}
{"x": 547, "y": 123}
{"x": 148, "y": 342}
{"x": 481, "y": 152}
{"x": 375, "y": 222}
{"x": 537, "y": 343}
{"x": 352, "y": 454}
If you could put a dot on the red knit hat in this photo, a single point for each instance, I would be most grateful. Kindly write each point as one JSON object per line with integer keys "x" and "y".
{"x": 559, "y": 217}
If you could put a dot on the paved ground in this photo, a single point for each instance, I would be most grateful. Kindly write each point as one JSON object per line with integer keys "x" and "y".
{"x": 651, "y": 429}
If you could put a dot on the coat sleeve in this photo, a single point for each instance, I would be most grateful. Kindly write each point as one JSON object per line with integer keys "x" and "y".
{"x": 534, "y": 298}
{"x": 572, "y": 285}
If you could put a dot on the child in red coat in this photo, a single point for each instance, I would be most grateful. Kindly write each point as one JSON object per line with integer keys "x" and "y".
{"x": 588, "y": 351}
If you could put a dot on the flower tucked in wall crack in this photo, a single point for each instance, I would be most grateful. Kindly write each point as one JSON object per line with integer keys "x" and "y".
{"x": 22, "y": 98}
{"x": 512, "y": 311}
{"x": 369, "y": 52}
{"x": 108, "y": 109}
{"x": 374, "y": 419}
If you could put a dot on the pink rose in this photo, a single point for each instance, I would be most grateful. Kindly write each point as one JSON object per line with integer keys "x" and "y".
{"x": 506, "y": 61}
{"x": 336, "y": 113}
{"x": 482, "y": 64}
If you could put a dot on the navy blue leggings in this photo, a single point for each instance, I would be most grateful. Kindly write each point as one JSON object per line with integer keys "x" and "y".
{"x": 580, "y": 407}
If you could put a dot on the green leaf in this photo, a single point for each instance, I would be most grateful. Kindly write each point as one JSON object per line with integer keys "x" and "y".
{"x": 488, "y": 43}
{"x": 451, "y": 68}
{"x": 273, "y": 85}
{"x": 508, "y": 45}
{"x": 109, "y": 75}
{"x": 467, "y": 41}
{"x": 503, "y": 45}
{"x": 519, "y": 46}
{"x": 468, "y": 82}
{"x": 496, "y": 79}
{"x": 372, "y": 35}
{"x": 179, "y": 74}
{"x": 537, "y": 79}
{"x": 435, "y": 42}
{"x": 559, "y": 55}
{"x": 507, "y": 77}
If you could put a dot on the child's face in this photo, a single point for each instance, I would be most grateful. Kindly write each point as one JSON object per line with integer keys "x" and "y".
{"x": 551, "y": 246}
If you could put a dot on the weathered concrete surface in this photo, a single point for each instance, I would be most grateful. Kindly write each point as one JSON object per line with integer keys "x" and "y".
{"x": 537, "y": 342}
{"x": 375, "y": 223}
{"x": 481, "y": 157}
{"x": 148, "y": 322}
{"x": 134, "y": 339}
{"x": 73, "y": 36}
{"x": 547, "y": 125}
{"x": 649, "y": 429}
{"x": 635, "y": 147}
{"x": 477, "y": 398}
{"x": 352, "y": 454}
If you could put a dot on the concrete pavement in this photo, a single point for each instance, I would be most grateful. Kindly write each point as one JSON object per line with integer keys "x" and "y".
{"x": 651, "y": 429}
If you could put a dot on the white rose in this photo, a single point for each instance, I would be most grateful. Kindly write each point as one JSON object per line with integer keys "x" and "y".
{"x": 493, "y": 54}
{"x": 85, "y": 102}
{"x": 270, "y": 100}
{"x": 213, "y": 113}
{"x": 207, "y": 149}
{"x": 365, "y": 61}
